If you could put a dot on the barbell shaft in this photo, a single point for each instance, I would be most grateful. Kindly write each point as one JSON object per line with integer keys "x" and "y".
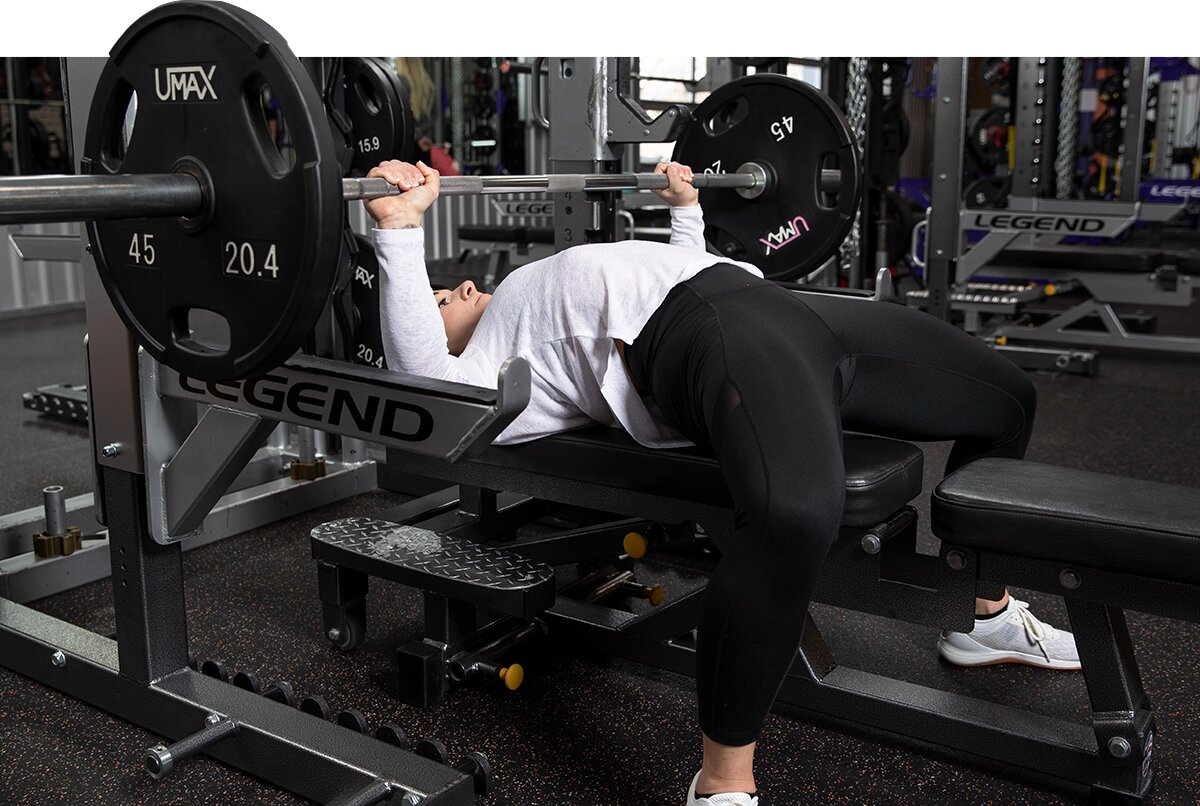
{"x": 375, "y": 188}
{"x": 47, "y": 199}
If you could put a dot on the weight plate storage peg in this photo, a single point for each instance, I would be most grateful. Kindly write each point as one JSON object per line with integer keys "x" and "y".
{"x": 814, "y": 175}
{"x": 237, "y": 287}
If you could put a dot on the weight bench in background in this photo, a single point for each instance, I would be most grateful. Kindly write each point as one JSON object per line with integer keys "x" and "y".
{"x": 507, "y": 247}
{"x": 1110, "y": 275}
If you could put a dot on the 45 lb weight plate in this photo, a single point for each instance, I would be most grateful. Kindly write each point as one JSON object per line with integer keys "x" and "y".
{"x": 814, "y": 175}
{"x": 209, "y": 90}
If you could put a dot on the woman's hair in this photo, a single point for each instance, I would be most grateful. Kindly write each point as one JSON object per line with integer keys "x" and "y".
{"x": 421, "y": 89}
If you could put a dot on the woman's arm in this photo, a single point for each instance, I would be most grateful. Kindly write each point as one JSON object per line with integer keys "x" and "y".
{"x": 414, "y": 336}
{"x": 687, "y": 219}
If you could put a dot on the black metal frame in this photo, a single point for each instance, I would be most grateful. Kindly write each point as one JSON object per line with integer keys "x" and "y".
{"x": 145, "y": 679}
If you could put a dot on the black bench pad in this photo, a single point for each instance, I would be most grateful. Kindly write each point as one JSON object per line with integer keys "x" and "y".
{"x": 1082, "y": 258}
{"x": 882, "y": 475}
{"x": 1072, "y": 516}
{"x": 501, "y": 232}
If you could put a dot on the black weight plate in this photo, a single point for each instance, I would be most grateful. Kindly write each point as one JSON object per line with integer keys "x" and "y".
{"x": 382, "y": 124}
{"x": 364, "y": 293}
{"x": 262, "y": 258}
{"x": 794, "y": 131}
{"x": 988, "y": 192}
{"x": 988, "y": 137}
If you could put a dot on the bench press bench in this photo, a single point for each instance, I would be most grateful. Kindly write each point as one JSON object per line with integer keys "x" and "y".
{"x": 1104, "y": 543}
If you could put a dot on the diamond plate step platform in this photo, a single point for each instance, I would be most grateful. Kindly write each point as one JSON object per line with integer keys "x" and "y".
{"x": 439, "y": 563}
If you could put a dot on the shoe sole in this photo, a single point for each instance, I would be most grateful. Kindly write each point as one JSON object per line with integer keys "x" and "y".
{"x": 995, "y": 658}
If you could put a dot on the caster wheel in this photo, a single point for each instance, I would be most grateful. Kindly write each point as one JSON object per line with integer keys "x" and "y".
{"x": 349, "y": 634}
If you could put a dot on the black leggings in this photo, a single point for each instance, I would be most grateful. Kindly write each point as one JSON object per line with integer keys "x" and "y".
{"x": 766, "y": 379}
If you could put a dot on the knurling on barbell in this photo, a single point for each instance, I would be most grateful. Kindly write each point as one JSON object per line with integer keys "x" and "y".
{"x": 194, "y": 214}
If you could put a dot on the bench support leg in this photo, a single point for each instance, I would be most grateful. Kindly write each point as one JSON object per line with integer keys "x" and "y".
{"x": 343, "y": 604}
{"x": 422, "y": 678}
{"x": 1121, "y": 714}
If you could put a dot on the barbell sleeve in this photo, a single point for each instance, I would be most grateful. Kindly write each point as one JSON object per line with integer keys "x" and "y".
{"x": 49, "y": 199}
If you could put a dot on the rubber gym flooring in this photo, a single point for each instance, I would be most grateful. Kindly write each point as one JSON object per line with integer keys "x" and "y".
{"x": 584, "y": 730}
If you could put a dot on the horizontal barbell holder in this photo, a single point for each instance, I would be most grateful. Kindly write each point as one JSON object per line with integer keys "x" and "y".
{"x": 50, "y": 199}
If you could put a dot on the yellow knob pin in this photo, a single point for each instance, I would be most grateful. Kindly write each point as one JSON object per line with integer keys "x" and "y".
{"x": 513, "y": 676}
{"x": 656, "y": 596}
{"x": 635, "y": 545}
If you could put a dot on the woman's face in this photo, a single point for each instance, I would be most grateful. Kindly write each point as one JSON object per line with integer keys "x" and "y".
{"x": 461, "y": 309}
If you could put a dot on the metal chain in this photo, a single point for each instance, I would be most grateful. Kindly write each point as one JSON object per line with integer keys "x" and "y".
{"x": 856, "y": 114}
{"x": 1068, "y": 128}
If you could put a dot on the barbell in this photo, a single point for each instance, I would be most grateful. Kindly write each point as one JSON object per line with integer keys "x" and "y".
{"x": 191, "y": 208}
{"x": 53, "y": 199}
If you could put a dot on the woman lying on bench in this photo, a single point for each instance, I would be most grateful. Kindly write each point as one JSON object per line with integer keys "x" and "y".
{"x": 679, "y": 346}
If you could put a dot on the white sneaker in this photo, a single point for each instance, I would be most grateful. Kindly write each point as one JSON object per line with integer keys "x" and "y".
{"x": 1013, "y": 636}
{"x": 721, "y": 799}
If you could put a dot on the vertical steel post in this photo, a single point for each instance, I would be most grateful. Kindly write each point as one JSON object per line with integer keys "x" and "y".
{"x": 579, "y": 89}
{"x": 949, "y": 131}
{"x": 1029, "y": 137}
{"x": 1133, "y": 143}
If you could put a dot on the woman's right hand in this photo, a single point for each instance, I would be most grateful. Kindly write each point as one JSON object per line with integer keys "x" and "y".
{"x": 679, "y": 191}
{"x": 420, "y": 184}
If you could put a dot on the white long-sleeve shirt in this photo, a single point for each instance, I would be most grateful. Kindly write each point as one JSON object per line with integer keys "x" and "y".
{"x": 562, "y": 314}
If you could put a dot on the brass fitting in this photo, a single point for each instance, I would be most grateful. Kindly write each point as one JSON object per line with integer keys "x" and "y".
{"x": 308, "y": 472}
{"x": 46, "y": 546}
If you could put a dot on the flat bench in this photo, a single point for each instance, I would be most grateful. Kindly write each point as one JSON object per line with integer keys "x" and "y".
{"x": 1075, "y": 517}
{"x": 1104, "y": 543}
{"x": 589, "y": 465}
{"x": 508, "y": 234}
